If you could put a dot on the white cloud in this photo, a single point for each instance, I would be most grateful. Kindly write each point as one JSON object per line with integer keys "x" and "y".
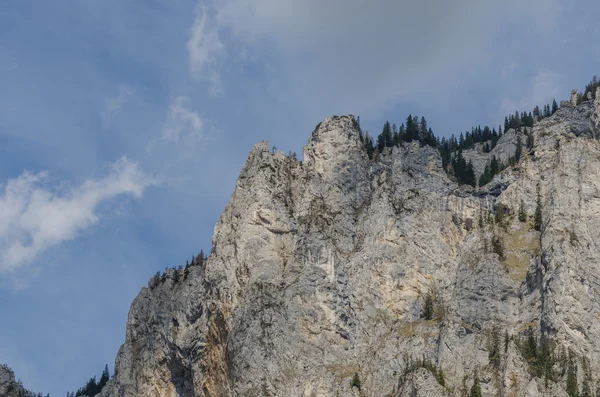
{"x": 182, "y": 124}
{"x": 114, "y": 105}
{"x": 206, "y": 51}
{"x": 545, "y": 86}
{"x": 352, "y": 55}
{"x": 35, "y": 216}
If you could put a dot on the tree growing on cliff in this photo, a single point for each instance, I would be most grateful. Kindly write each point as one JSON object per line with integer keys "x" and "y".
{"x": 355, "y": 382}
{"x": 537, "y": 219}
{"x": 476, "y": 388}
{"x": 522, "y": 213}
{"x": 428, "y": 311}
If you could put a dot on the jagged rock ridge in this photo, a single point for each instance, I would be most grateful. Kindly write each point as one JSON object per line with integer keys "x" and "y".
{"x": 9, "y": 387}
{"x": 320, "y": 271}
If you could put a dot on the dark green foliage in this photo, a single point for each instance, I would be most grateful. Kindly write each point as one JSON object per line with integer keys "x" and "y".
{"x": 554, "y": 106}
{"x": 572, "y": 387}
{"x": 355, "y": 382}
{"x": 356, "y": 124}
{"x": 412, "y": 129}
{"x": 537, "y": 219}
{"x": 529, "y": 141}
{"x": 369, "y": 148}
{"x": 104, "y": 378}
{"x": 490, "y": 171}
{"x": 428, "y": 309}
{"x": 494, "y": 349}
{"x": 469, "y": 177}
{"x": 497, "y": 247}
{"x": 92, "y": 387}
{"x": 518, "y": 150}
{"x": 522, "y": 213}
{"x": 530, "y": 348}
{"x": 592, "y": 86}
{"x": 586, "y": 391}
{"x": 411, "y": 365}
{"x": 180, "y": 272}
{"x": 476, "y": 388}
{"x": 540, "y": 356}
{"x": 385, "y": 139}
{"x": 450, "y": 149}
{"x": 500, "y": 211}
{"x": 463, "y": 171}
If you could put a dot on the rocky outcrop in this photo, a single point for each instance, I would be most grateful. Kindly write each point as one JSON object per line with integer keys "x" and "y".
{"x": 320, "y": 271}
{"x": 341, "y": 276}
{"x": 505, "y": 149}
{"x": 596, "y": 111}
{"x": 9, "y": 387}
{"x": 574, "y": 97}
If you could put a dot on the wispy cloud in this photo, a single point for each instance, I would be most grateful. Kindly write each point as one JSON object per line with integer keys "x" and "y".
{"x": 327, "y": 52}
{"x": 35, "y": 215}
{"x": 544, "y": 87}
{"x": 206, "y": 50}
{"x": 182, "y": 124}
{"x": 114, "y": 104}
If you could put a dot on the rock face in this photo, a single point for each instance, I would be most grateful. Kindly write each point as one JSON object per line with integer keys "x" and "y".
{"x": 340, "y": 276}
{"x": 596, "y": 111}
{"x": 504, "y": 150}
{"x": 574, "y": 97}
{"x": 9, "y": 387}
{"x": 320, "y": 273}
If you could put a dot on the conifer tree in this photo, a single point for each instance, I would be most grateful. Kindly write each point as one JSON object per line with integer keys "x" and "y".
{"x": 476, "y": 388}
{"x": 470, "y": 175}
{"x": 427, "y": 312}
{"x": 537, "y": 219}
{"x": 411, "y": 129}
{"x": 554, "y": 106}
{"x": 522, "y": 213}
{"x": 572, "y": 388}
{"x": 385, "y": 139}
{"x": 518, "y": 150}
{"x": 104, "y": 378}
{"x": 530, "y": 141}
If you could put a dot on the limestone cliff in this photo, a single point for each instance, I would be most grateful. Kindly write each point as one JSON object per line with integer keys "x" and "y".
{"x": 340, "y": 276}
{"x": 320, "y": 270}
{"x": 9, "y": 386}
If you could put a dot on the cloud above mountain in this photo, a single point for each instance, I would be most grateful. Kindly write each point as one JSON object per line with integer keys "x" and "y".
{"x": 37, "y": 213}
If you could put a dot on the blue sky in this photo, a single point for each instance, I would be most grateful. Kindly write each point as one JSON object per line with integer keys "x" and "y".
{"x": 124, "y": 124}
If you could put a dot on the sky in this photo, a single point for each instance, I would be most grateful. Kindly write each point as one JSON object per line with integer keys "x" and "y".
{"x": 124, "y": 125}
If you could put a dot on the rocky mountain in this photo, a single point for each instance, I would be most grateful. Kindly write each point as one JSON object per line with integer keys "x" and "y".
{"x": 9, "y": 387}
{"x": 342, "y": 276}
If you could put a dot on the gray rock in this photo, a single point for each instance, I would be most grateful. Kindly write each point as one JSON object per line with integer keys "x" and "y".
{"x": 574, "y": 97}
{"x": 320, "y": 270}
{"x": 596, "y": 111}
{"x": 9, "y": 387}
{"x": 505, "y": 148}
